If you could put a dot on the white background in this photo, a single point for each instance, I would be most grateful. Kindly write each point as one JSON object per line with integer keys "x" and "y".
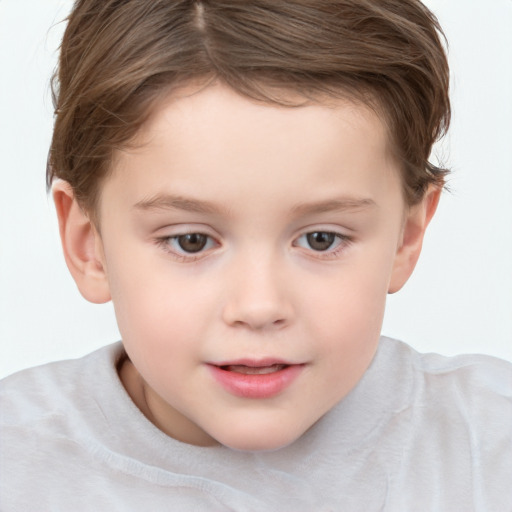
{"x": 459, "y": 299}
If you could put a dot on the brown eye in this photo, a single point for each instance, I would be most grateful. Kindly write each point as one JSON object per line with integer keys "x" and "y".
{"x": 192, "y": 242}
{"x": 320, "y": 240}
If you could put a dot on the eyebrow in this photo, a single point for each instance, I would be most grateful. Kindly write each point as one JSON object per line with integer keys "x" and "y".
{"x": 331, "y": 205}
{"x": 172, "y": 202}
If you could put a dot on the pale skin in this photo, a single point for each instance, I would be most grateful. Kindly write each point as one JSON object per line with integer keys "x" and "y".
{"x": 298, "y": 232}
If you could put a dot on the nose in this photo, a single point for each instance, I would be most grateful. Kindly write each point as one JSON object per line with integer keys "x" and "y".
{"x": 257, "y": 296}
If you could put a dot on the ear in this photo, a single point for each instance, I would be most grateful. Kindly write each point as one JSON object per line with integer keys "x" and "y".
{"x": 82, "y": 246}
{"x": 416, "y": 221}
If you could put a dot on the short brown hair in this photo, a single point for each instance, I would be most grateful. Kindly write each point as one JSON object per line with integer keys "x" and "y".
{"x": 120, "y": 57}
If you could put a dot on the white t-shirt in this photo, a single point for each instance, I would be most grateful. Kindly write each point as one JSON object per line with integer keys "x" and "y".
{"x": 418, "y": 433}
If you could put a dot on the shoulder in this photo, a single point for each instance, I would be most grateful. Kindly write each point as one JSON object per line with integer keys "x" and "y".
{"x": 34, "y": 394}
{"x": 466, "y": 371}
{"x": 51, "y": 424}
{"x": 464, "y": 398}
{"x": 475, "y": 389}
{"x": 455, "y": 428}
{"x": 459, "y": 394}
{"x": 464, "y": 401}
{"x": 471, "y": 377}
{"x": 474, "y": 383}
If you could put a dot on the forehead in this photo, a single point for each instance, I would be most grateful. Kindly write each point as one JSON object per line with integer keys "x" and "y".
{"x": 218, "y": 115}
{"x": 213, "y": 137}
{"x": 213, "y": 103}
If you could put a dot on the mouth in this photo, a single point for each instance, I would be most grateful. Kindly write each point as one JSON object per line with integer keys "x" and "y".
{"x": 255, "y": 379}
{"x": 254, "y": 370}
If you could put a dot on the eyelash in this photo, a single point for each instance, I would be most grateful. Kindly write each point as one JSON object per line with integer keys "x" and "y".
{"x": 343, "y": 243}
{"x": 165, "y": 244}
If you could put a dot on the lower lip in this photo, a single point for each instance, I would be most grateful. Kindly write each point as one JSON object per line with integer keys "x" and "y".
{"x": 256, "y": 386}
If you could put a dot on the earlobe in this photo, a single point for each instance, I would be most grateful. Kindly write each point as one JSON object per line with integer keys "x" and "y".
{"x": 81, "y": 243}
{"x": 415, "y": 225}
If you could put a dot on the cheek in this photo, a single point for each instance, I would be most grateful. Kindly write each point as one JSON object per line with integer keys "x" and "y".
{"x": 352, "y": 326}
{"x": 153, "y": 304}
{"x": 352, "y": 298}
{"x": 346, "y": 315}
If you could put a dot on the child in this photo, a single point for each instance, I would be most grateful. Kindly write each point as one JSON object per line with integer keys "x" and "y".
{"x": 247, "y": 181}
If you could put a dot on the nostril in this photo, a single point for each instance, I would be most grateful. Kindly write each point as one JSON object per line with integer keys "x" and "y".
{"x": 260, "y": 324}
{"x": 256, "y": 312}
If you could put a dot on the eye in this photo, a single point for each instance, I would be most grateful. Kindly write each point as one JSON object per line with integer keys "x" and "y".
{"x": 188, "y": 243}
{"x": 191, "y": 242}
{"x": 321, "y": 241}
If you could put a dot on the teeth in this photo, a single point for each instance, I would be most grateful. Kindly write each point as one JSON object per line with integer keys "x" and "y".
{"x": 253, "y": 370}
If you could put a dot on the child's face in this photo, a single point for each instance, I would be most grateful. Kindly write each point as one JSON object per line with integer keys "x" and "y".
{"x": 242, "y": 235}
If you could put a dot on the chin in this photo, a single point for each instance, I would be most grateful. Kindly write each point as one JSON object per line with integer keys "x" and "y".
{"x": 258, "y": 441}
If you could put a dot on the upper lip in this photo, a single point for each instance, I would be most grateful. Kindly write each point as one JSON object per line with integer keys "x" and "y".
{"x": 254, "y": 363}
